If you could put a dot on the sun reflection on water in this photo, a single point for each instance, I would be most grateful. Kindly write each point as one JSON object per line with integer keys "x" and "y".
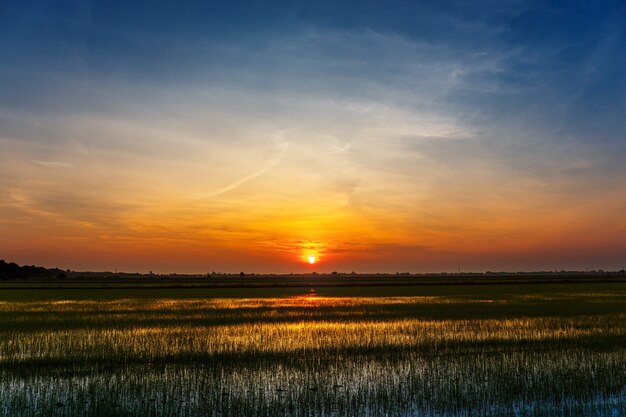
{"x": 311, "y": 299}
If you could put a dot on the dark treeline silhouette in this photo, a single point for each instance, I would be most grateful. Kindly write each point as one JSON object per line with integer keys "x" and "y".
{"x": 12, "y": 270}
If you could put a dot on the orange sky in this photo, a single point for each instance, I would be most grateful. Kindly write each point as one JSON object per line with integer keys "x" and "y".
{"x": 273, "y": 222}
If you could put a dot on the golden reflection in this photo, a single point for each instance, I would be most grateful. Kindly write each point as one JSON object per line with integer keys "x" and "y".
{"x": 208, "y": 304}
{"x": 254, "y": 326}
{"x": 309, "y": 300}
{"x": 283, "y": 337}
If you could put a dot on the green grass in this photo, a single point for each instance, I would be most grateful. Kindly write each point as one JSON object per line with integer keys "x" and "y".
{"x": 473, "y": 350}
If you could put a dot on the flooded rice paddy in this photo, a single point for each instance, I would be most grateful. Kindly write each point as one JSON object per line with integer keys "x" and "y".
{"x": 504, "y": 351}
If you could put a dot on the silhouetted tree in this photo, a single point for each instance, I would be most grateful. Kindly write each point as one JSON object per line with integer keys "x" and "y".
{"x": 12, "y": 270}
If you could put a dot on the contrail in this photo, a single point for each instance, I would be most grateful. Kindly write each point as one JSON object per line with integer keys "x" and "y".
{"x": 279, "y": 138}
{"x": 247, "y": 178}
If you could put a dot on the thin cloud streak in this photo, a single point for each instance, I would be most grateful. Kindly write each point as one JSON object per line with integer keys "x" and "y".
{"x": 271, "y": 164}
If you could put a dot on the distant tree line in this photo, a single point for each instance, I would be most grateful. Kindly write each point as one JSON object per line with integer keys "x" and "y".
{"x": 11, "y": 270}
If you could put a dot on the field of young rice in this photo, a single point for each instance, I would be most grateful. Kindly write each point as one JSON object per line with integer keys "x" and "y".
{"x": 541, "y": 351}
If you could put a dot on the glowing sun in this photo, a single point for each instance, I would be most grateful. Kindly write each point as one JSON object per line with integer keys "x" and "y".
{"x": 311, "y": 259}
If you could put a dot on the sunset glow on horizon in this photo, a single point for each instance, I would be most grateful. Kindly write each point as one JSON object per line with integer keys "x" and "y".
{"x": 430, "y": 137}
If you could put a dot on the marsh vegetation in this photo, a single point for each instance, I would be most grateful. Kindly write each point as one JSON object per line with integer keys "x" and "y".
{"x": 487, "y": 350}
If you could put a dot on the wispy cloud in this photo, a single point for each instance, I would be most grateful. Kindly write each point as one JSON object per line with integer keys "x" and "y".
{"x": 282, "y": 152}
{"x": 53, "y": 164}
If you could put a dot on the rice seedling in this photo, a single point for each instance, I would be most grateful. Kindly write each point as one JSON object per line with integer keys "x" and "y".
{"x": 497, "y": 354}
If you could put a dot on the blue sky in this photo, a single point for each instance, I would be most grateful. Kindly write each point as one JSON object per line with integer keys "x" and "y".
{"x": 434, "y": 122}
{"x": 504, "y": 54}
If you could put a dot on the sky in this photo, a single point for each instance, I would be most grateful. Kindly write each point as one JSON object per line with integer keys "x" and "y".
{"x": 418, "y": 136}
